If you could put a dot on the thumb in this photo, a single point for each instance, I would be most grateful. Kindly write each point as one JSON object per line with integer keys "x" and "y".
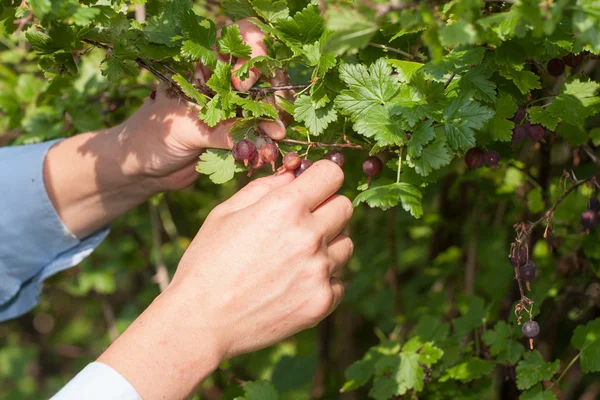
{"x": 256, "y": 190}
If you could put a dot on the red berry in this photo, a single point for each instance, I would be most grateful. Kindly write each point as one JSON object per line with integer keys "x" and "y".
{"x": 518, "y": 256}
{"x": 474, "y": 158}
{"x": 244, "y": 150}
{"x": 519, "y": 134}
{"x": 372, "y": 166}
{"x": 527, "y": 271}
{"x": 304, "y": 165}
{"x": 269, "y": 154}
{"x": 573, "y": 60}
{"x": 336, "y": 157}
{"x": 589, "y": 219}
{"x": 491, "y": 158}
{"x": 594, "y": 204}
{"x": 535, "y": 132}
{"x": 556, "y": 67}
{"x": 291, "y": 161}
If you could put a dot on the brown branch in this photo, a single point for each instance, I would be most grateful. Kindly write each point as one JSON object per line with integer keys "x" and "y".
{"x": 277, "y": 88}
{"x": 548, "y": 214}
{"x": 319, "y": 144}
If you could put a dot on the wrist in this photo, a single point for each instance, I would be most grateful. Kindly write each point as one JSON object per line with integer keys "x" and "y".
{"x": 164, "y": 353}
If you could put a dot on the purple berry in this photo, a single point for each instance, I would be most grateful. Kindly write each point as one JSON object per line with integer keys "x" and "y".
{"x": 474, "y": 158}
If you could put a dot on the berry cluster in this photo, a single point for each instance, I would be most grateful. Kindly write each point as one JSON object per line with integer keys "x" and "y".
{"x": 535, "y": 132}
{"x": 476, "y": 157}
{"x": 255, "y": 154}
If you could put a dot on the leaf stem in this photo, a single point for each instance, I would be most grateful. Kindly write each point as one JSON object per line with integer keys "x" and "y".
{"x": 399, "y": 165}
{"x": 393, "y": 50}
{"x": 320, "y": 144}
{"x": 564, "y": 371}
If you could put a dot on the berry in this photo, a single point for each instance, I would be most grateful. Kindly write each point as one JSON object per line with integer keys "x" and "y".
{"x": 527, "y": 271}
{"x": 257, "y": 162}
{"x": 291, "y": 161}
{"x": 530, "y": 329}
{"x": 573, "y": 60}
{"x": 594, "y": 204}
{"x": 518, "y": 256}
{"x": 474, "y": 158}
{"x": 372, "y": 166}
{"x": 244, "y": 151}
{"x": 491, "y": 158}
{"x": 519, "y": 115}
{"x": 519, "y": 134}
{"x": 336, "y": 157}
{"x": 269, "y": 154}
{"x": 304, "y": 164}
{"x": 589, "y": 219}
{"x": 556, "y": 67}
{"x": 535, "y": 132}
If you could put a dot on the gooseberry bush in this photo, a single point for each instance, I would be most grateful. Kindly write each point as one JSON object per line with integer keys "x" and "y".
{"x": 470, "y": 130}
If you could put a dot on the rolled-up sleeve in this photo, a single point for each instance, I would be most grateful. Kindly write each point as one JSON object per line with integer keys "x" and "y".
{"x": 98, "y": 381}
{"x": 34, "y": 242}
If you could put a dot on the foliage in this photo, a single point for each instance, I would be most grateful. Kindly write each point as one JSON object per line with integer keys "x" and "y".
{"x": 431, "y": 307}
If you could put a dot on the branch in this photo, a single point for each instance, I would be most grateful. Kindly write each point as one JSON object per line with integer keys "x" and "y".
{"x": 162, "y": 275}
{"x": 277, "y": 88}
{"x": 393, "y": 50}
{"x": 324, "y": 145}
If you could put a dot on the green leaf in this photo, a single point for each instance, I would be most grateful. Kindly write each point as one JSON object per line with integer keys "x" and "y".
{"x": 433, "y": 156}
{"x": 577, "y": 100}
{"x": 194, "y": 51}
{"x": 304, "y": 27}
{"x": 114, "y": 68}
{"x": 525, "y": 80}
{"x": 218, "y": 164}
{"x": 468, "y": 370}
{"x": 348, "y": 30}
{"x": 220, "y": 81}
{"x": 259, "y": 391}
{"x": 576, "y": 135}
{"x": 316, "y": 58}
{"x": 315, "y": 119}
{"x": 471, "y": 319}
{"x": 189, "y": 89}
{"x": 457, "y": 61}
{"x": 231, "y": 42}
{"x": 500, "y": 127}
{"x": 457, "y": 33}
{"x": 421, "y": 135}
{"x": 265, "y": 65}
{"x": 595, "y": 136}
{"x": 358, "y": 374}
{"x": 367, "y": 87}
{"x": 405, "y": 69}
{"x": 257, "y": 108}
{"x": 477, "y": 80}
{"x": 409, "y": 374}
{"x": 383, "y": 388}
{"x": 535, "y": 200}
{"x": 271, "y": 10}
{"x": 388, "y": 196}
{"x": 238, "y": 8}
{"x": 382, "y": 125}
{"x": 461, "y": 117}
{"x": 532, "y": 369}
{"x": 539, "y": 115}
{"x": 586, "y": 338}
{"x": 538, "y": 393}
{"x": 430, "y": 354}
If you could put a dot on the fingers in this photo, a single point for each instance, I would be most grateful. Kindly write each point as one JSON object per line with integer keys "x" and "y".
{"x": 253, "y": 37}
{"x": 317, "y": 183}
{"x": 333, "y": 216}
{"x": 274, "y": 129}
{"x": 340, "y": 251}
{"x": 256, "y": 190}
{"x": 337, "y": 287}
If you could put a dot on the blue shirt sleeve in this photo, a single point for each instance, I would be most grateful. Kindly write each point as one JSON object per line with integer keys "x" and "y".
{"x": 98, "y": 381}
{"x": 34, "y": 242}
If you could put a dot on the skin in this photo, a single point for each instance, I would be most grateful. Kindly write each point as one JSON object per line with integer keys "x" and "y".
{"x": 260, "y": 269}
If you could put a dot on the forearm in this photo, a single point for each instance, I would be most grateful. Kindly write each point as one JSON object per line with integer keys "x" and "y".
{"x": 88, "y": 182}
{"x": 165, "y": 353}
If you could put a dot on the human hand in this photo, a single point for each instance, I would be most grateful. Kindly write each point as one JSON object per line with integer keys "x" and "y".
{"x": 260, "y": 269}
{"x": 164, "y": 138}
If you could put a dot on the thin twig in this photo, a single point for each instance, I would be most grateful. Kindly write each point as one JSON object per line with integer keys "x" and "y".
{"x": 277, "y": 88}
{"x": 319, "y": 144}
{"x": 591, "y": 154}
{"x": 565, "y": 371}
{"x": 393, "y": 50}
{"x": 449, "y": 81}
